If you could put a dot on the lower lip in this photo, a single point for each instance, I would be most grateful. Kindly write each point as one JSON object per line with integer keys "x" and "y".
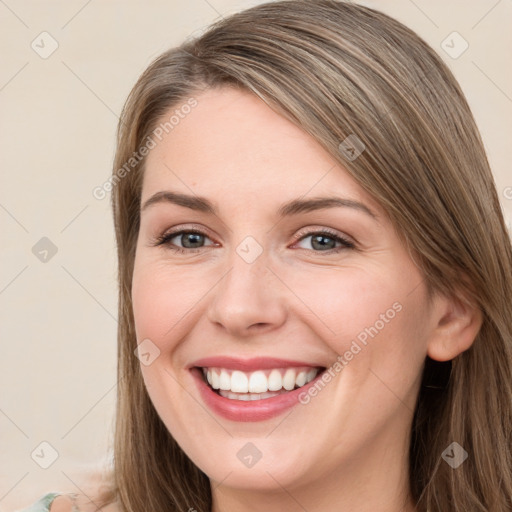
{"x": 254, "y": 410}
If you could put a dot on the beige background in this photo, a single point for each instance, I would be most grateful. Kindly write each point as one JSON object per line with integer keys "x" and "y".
{"x": 57, "y": 126}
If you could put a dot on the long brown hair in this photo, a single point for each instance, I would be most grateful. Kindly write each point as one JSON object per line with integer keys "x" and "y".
{"x": 337, "y": 69}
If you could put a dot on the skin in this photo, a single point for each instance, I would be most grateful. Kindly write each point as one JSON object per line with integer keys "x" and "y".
{"x": 347, "y": 448}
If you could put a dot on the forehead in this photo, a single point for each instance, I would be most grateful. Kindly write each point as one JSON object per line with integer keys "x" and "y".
{"x": 232, "y": 141}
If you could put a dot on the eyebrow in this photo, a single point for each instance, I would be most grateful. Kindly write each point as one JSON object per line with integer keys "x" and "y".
{"x": 290, "y": 208}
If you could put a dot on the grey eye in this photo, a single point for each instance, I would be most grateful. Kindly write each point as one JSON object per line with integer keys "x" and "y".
{"x": 189, "y": 239}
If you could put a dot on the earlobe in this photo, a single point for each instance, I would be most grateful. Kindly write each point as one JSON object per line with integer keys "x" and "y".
{"x": 457, "y": 323}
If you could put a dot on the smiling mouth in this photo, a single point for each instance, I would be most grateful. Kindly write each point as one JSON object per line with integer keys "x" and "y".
{"x": 259, "y": 384}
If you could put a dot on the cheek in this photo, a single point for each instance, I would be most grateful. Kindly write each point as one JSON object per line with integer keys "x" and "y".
{"x": 149, "y": 302}
{"x": 163, "y": 299}
{"x": 345, "y": 302}
{"x": 162, "y": 296}
{"x": 368, "y": 316}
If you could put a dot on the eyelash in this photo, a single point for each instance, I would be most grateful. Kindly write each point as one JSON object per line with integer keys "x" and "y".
{"x": 165, "y": 238}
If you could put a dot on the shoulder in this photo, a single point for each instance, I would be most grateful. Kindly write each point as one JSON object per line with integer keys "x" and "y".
{"x": 80, "y": 503}
{"x": 95, "y": 485}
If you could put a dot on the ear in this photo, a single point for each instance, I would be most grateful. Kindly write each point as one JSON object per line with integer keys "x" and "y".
{"x": 456, "y": 325}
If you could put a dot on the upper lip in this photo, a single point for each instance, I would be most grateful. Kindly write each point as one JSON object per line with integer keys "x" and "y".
{"x": 255, "y": 363}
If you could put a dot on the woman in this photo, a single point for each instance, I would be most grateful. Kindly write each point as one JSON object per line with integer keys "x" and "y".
{"x": 315, "y": 276}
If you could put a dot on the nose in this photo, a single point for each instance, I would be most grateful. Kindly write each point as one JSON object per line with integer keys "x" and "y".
{"x": 249, "y": 299}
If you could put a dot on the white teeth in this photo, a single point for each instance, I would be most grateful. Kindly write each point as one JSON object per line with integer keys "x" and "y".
{"x": 224, "y": 380}
{"x": 250, "y": 396}
{"x": 301, "y": 379}
{"x": 239, "y": 382}
{"x": 289, "y": 379}
{"x": 257, "y": 382}
{"x": 311, "y": 375}
{"x": 213, "y": 379}
{"x": 275, "y": 381}
{"x": 260, "y": 382}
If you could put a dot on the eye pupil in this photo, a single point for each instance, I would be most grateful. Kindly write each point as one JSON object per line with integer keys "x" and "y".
{"x": 322, "y": 244}
{"x": 190, "y": 237}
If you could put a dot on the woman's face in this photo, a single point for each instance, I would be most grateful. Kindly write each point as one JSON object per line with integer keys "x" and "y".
{"x": 259, "y": 278}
